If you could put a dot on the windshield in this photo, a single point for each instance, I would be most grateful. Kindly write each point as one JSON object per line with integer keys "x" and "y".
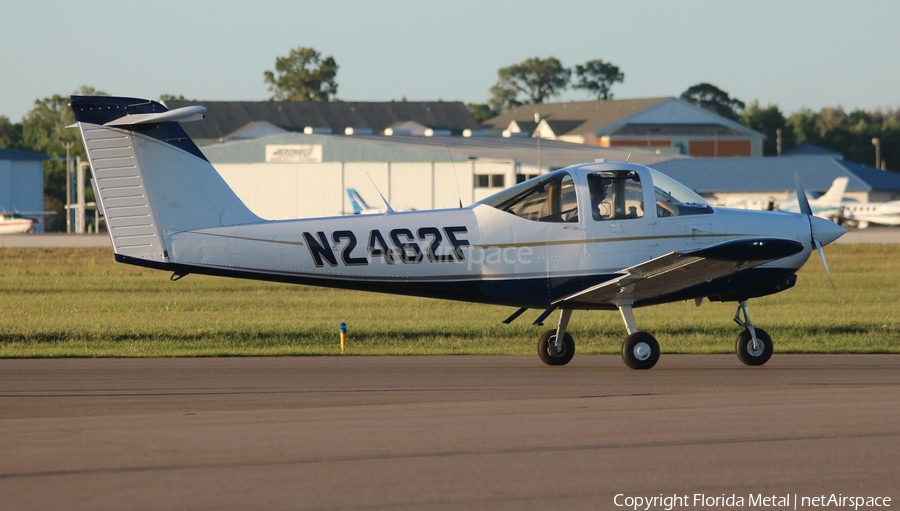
{"x": 675, "y": 190}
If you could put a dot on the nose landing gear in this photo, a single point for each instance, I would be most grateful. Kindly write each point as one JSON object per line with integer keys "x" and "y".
{"x": 753, "y": 346}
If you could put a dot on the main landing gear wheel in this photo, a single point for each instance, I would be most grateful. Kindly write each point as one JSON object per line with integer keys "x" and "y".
{"x": 640, "y": 351}
{"x": 553, "y": 355}
{"x": 750, "y": 354}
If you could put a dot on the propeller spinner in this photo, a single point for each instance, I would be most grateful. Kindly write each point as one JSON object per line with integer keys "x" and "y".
{"x": 822, "y": 232}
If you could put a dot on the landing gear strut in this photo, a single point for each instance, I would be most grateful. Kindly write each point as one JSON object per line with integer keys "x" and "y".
{"x": 753, "y": 346}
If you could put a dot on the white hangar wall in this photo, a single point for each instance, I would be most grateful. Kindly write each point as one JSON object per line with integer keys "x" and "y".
{"x": 278, "y": 191}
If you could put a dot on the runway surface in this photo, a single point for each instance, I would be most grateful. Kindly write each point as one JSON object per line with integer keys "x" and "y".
{"x": 441, "y": 432}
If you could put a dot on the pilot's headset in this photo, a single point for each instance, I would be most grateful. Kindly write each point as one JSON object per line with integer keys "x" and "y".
{"x": 597, "y": 183}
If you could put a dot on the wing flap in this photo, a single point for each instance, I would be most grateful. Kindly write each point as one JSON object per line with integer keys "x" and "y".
{"x": 679, "y": 270}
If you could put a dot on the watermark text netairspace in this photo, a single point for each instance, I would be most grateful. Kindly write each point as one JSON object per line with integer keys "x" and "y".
{"x": 758, "y": 500}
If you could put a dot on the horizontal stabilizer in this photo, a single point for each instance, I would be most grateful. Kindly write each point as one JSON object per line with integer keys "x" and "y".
{"x": 185, "y": 114}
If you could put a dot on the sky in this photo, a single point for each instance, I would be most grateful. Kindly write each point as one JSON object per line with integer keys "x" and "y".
{"x": 794, "y": 54}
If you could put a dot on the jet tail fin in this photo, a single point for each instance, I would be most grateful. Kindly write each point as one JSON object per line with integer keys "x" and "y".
{"x": 356, "y": 201}
{"x": 151, "y": 180}
{"x": 836, "y": 192}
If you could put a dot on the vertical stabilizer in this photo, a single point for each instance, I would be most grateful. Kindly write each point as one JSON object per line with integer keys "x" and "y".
{"x": 150, "y": 177}
{"x": 835, "y": 194}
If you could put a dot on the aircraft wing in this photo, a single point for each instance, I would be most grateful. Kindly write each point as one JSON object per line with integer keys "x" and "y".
{"x": 679, "y": 270}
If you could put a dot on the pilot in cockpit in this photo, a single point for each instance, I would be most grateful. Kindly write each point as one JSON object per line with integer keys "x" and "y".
{"x": 601, "y": 208}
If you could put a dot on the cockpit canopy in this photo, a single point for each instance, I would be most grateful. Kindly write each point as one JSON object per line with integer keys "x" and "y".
{"x": 613, "y": 194}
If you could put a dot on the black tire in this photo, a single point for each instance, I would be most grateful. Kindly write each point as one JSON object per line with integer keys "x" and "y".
{"x": 744, "y": 349}
{"x": 640, "y": 351}
{"x": 549, "y": 355}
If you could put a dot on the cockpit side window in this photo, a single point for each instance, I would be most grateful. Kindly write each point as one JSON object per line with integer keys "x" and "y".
{"x": 667, "y": 205}
{"x": 615, "y": 195}
{"x": 550, "y": 198}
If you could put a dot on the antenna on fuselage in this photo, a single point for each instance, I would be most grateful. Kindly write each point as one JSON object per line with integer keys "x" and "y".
{"x": 627, "y": 157}
{"x": 455, "y": 177}
{"x": 387, "y": 205}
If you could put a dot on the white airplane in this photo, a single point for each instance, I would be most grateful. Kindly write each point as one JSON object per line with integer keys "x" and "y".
{"x": 832, "y": 205}
{"x": 862, "y": 214}
{"x": 596, "y": 236}
{"x": 21, "y": 222}
{"x": 14, "y": 223}
{"x": 824, "y": 206}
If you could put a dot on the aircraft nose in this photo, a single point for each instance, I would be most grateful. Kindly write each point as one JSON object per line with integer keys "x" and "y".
{"x": 825, "y": 231}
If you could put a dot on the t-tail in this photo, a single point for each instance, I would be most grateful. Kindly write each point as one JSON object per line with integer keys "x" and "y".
{"x": 835, "y": 193}
{"x": 356, "y": 201}
{"x": 151, "y": 179}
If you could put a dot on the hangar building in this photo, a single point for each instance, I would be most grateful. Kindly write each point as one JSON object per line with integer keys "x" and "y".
{"x": 294, "y": 175}
{"x": 667, "y": 124}
{"x": 22, "y": 182}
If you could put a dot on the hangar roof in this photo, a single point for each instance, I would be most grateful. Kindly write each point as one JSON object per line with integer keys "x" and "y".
{"x": 14, "y": 154}
{"x": 730, "y": 175}
{"x": 225, "y": 117}
{"x": 554, "y": 154}
{"x": 606, "y": 117}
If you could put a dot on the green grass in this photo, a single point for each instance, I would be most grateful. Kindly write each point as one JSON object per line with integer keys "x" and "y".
{"x": 81, "y": 303}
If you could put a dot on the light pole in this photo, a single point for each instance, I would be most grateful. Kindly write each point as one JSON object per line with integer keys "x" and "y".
{"x": 537, "y": 129}
{"x": 68, "y": 143}
{"x": 877, "y": 144}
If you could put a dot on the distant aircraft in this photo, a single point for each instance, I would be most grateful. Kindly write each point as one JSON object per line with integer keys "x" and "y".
{"x": 824, "y": 206}
{"x": 862, "y": 214}
{"x": 15, "y": 222}
{"x": 360, "y": 207}
{"x": 833, "y": 206}
{"x": 596, "y": 236}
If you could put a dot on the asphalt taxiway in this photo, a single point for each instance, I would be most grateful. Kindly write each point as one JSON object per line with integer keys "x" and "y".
{"x": 441, "y": 432}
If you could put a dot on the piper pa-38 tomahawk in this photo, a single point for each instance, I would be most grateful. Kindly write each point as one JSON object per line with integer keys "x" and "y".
{"x": 602, "y": 235}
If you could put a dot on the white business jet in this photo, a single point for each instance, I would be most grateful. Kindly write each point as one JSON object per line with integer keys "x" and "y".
{"x": 602, "y": 235}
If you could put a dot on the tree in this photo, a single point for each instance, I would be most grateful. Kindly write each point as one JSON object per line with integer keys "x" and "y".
{"x": 172, "y": 97}
{"x": 10, "y": 134}
{"x": 597, "y": 77}
{"x": 536, "y": 79}
{"x": 768, "y": 120}
{"x": 482, "y": 112}
{"x": 714, "y": 99}
{"x": 303, "y": 76}
{"x": 803, "y": 125}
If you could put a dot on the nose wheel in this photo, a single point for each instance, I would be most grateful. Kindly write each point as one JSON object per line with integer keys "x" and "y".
{"x": 753, "y": 346}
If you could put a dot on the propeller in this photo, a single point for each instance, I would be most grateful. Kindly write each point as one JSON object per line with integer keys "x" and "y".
{"x": 816, "y": 228}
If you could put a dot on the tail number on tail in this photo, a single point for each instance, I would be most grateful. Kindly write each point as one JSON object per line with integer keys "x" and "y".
{"x": 399, "y": 245}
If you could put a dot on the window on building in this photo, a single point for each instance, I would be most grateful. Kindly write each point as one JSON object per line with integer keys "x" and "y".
{"x": 490, "y": 181}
